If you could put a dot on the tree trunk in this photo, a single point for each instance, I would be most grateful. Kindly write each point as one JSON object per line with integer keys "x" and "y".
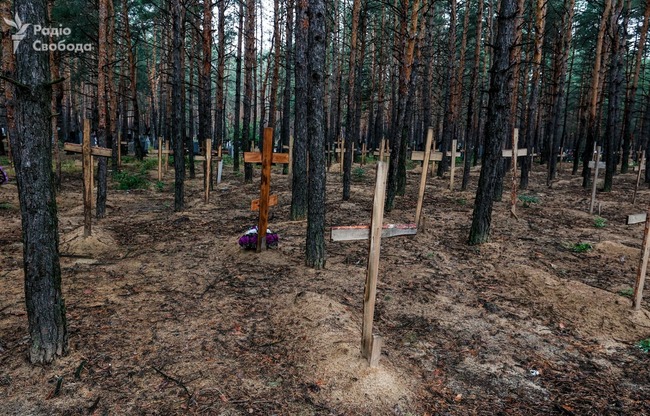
{"x": 471, "y": 130}
{"x": 102, "y": 57}
{"x": 285, "y": 132}
{"x": 32, "y": 156}
{"x": 592, "y": 125}
{"x": 299, "y": 205}
{"x": 498, "y": 121}
{"x": 315, "y": 247}
{"x": 616, "y": 74}
{"x": 631, "y": 94}
{"x": 221, "y": 67}
{"x": 450, "y": 120}
{"x": 205, "y": 83}
{"x": 351, "y": 111}
{"x": 236, "y": 136}
{"x": 178, "y": 34}
{"x": 249, "y": 62}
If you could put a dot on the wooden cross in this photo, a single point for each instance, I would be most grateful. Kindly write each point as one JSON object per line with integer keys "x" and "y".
{"x": 371, "y": 344}
{"x": 598, "y": 165}
{"x": 436, "y": 156}
{"x": 641, "y": 159}
{"x": 637, "y": 297}
{"x": 383, "y": 150}
{"x": 163, "y": 150}
{"x": 87, "y": 152}
{"x": 266, "y": 157}
{"x": 507, "y": 153}
{"x": 207, "y": 161}
{"x": 423, "y": 176}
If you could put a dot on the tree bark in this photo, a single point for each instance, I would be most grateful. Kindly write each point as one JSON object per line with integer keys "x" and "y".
{"x": 102, "y": 58}
{"x": 498, "y": 121}
{"x": 299, "y": 205}
{"x": 315, "y": 247}
{"x": 236, "y": 136}
{"x": 178, "y": 49}
{"x": 285, "y": 132}
{"x": 32, "y": 157}
{"x": 249, "y": 62}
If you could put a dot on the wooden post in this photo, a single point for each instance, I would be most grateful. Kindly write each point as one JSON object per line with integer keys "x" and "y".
{"x": 342, "y": 155}
{"x": 423, "y": 176}
{"x": 643, "y": 265}
{"x": 593, "y": 187}
{"x": 370, "y": 291}
{"x": 219, "y": 164}
{"x": 641, "y": 159}
{"x": 265, "y": 188}
{"x": 119, "y": 149}
{"x": 290, "y": 170}
{"x": 381, "y": 150}
{"x": 454, "y": 143}
{"x": 87, "y": 175}
{"x": 160, "y": 149}
{"x": 208, "y": 167}
{"x": 513, "y": 192}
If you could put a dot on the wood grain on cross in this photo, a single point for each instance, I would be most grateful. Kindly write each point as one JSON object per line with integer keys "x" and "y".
{"x": 507, "y": 153}
{"x": 266, "y": 158}
{"x": 371, "y": 344}
{"x": 87, "y": 152}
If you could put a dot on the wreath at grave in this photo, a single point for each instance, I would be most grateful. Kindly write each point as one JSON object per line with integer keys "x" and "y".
{"x": 4, "y": 178}
{"x": 248, "y": 241}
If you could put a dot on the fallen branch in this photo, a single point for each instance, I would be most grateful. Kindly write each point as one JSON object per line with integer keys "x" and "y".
{"x": 176, "y": 381}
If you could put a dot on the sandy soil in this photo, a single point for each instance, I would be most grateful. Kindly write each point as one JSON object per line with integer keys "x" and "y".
{"x": 168, "y": 316}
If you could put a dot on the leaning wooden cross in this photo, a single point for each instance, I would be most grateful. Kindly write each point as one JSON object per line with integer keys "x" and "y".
{"x": 437, "y": 157}
{"x": 597, "y": 164}
{"x": 87, "y": 152}
{"x": 266, "y": 158}
{"x": 507, "y": 153}
{"x": 371, "y": 344}
{"x": 637, "y": 297}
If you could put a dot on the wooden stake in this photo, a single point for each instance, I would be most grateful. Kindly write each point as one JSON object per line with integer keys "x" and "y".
{"x": 513, "y": 193}
{"x": 208, "y": 168}
{"x": 87, "y": 174}
{"x": 593, "y": 188}
{"x": 265, "y": 188}
{"x": 370, "y": 291}
{"x": 643, "y": 265}
{"x": 290, "y": 170}
{"x": 641, "y": 159}
{"x": 454, "y": 143}
{"x": 219, "y": 164}
{"x": 423, "y": 176}
{"x": 160, "y": 149}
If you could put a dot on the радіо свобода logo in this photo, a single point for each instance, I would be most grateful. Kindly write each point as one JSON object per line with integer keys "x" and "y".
{"x": 20, "y": 27}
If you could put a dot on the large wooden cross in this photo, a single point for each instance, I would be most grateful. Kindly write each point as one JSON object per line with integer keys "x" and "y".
{"x": 87, "y": 153}
{"x": 508, "y": 153}
{"x": 207, "y": 159}
{"x": 637, "y": 297}
{"x": 436, "y": 156}
{"x": 371, "y": 344}
{"x": 266, "y": 158}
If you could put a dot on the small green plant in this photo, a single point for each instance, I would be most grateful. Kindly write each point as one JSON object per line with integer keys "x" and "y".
{"x": 127, "y": 180}
{"x": 147, "y": 165}
{"x": 626, "y": 292}
{"x": 582, "y": 247}
{"x": 644, "y": 345}
{"x": 461, "y": 201}
{"x": 600, "y": 222}
{"x": 358, "y": 173}
{"x": 159, "y": 185}
{"x": 411, "y": 164}
{"x": 4, "y": 160}
{"x": 527, "y": 200}
{"x": 227, "y": 160}
{"x": 69, "y": 166}
{"x": 6, "y": 205}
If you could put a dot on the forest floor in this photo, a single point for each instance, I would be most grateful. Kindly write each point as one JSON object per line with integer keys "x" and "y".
{"x": 167, "y": 315}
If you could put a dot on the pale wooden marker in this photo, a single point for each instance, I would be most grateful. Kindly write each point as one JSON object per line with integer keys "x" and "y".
{"x": 638, "y": 176}
{"x": 643, "y": 265}
{"x": 370, "y": 291}
{"x": 452, "y": 174}
{"x": 267, "y": 157}
{"x": 593, "y": 187}
{"x": 87, "y": 152}
{"x": 513, "y": 192}
{"x": 371, "y": 344}
{"x": 423, "y": 176}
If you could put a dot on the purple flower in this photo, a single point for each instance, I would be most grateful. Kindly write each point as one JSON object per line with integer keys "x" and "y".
{"x": 4, "y": 178}
{"x": 249, "y": 240}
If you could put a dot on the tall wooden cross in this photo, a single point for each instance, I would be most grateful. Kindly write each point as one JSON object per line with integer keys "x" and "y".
{"x": 371, "y": 344}
{"x": 508, "y": 153}
{"x": 436, "y": 156}
{"x": 266, "y": 157}
{"x": 637, "y": 297}
{"x": 597, "y": 164}
{"x": 87, "y": 152}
